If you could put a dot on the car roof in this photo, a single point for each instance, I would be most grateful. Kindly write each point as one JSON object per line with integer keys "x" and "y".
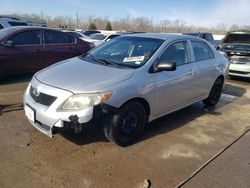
{"x": 15, "y": 29}
{"x": 162, "y": 36}
{"x": 22, "y": 28}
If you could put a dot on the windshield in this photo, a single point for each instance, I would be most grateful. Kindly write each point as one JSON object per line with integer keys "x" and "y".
{"x": 125, "y": 51}
{"x": 237, "y": 41}
{"x": 97, "y": 36}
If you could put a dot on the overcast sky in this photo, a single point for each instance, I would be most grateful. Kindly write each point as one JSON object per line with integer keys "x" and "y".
{"x": 207, "y": 13}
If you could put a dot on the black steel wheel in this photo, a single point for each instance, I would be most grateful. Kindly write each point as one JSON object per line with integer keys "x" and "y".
{"x": 215, "y": 93}
{"x": 126, "y": 125}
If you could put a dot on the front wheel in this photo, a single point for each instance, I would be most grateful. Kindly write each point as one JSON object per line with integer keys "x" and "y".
{"x": 126, "y": 125}
{"x": 215, "y": 93}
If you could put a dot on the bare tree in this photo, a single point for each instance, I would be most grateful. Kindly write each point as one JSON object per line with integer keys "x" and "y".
{"x": 129, "y": 23}
{"x": 165, "y": 24}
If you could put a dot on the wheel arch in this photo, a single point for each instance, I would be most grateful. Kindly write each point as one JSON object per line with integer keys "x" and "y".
{"x": 142, "y": 101}
{"x": 221, "y": 77}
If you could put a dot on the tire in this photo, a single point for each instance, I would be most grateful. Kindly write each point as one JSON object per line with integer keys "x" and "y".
{"x": 126, "y": 125}
{"x": 231, "y": 77}
{"x": 215, "y": 93}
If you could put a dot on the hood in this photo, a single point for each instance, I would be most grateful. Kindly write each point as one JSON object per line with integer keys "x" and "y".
{"x": 79, "y": 76}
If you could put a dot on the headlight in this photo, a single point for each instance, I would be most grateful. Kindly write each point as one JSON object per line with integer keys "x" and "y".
{"x": 81, "y": 101}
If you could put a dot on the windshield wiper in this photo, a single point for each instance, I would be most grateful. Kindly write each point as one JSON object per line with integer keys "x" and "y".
{"x": 93, "y": 58}
{"x": 109, "y": 62}
{"x": 104, "y": 61}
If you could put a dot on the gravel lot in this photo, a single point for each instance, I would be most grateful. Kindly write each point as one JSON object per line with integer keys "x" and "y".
{"x": 171, "y": 149}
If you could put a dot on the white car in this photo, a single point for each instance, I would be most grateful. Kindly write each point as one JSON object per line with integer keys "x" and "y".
{"x": 237, "y": 46}
{"x": 77, "y": 34}
{"x": 8, "y": 22}
{"x": 99, "y": 38}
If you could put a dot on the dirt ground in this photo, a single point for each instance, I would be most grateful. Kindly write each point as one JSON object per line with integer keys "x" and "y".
{"x": 171, "y": 149}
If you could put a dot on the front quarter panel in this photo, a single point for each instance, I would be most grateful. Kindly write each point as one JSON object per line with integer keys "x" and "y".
{"x": 141, "y": 85}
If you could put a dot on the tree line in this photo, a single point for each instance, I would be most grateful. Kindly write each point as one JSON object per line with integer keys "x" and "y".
{"x": 129, "y": 23}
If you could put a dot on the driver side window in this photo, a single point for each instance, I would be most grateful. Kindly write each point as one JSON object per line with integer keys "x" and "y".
{"x": 176, "y": 52}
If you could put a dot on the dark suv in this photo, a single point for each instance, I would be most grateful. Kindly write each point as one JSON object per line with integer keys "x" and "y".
{"x": 207, "y": 36}
{"x": 29, "y": 49}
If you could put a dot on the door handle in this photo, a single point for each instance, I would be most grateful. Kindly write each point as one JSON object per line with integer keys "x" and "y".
{"x": 191, "y": 72}
{"x": 70, "y": 48}
{"x": 37, "y": 50}
{"x": 215, "y": 66}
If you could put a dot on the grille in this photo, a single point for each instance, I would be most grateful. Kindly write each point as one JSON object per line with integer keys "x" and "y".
{"x": 238, "y": 72}
{"x": 42, "y": 98}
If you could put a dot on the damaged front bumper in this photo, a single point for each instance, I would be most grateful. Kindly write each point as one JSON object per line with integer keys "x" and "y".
{"x": 45, "y": 115}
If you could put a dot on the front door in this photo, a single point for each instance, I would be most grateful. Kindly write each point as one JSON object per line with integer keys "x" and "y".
{"x": 24, "y": 55}
{"x": 174, "y": 88}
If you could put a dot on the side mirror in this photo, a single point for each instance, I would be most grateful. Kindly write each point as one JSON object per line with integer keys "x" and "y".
{"x": 8, "y": 43}
{"x": 164, "y": 66}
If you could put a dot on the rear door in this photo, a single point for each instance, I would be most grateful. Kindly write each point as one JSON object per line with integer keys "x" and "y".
{"x": 205, "y": 68}
{"x": 25, "y": 54}
{"x": 59, "y": 46}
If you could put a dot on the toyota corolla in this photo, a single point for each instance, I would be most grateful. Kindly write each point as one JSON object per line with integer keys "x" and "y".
{"x": 127, "y": 82}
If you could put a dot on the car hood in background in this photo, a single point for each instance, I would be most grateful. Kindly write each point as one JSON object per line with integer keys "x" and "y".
{"x": 79, "y": 76}
{"x": 91, "y": 40}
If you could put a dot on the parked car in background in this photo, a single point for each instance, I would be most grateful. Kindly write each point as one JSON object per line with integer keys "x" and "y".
{"x": 90, "y": 32}
{"x": 236, "y": 45}
{"x": 29, "y": 49}
{"x": 218, "y": 41}
{"x": 128, "y": 81}
{"x": 207, "y": 36}
{"x": 96, "y": 38}
{"x": 111, "y": 36}
{"x": 99, "y": 38}
{"x": 9, "y": 22}
{"x": 77, "y": 34}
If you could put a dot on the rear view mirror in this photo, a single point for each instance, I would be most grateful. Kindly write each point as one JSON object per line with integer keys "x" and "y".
{"x": 8, "y": 43}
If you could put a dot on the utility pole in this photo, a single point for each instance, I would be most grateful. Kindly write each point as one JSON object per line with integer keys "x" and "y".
{"x": 77, "y": 20}
{"x": 41, "y": 14}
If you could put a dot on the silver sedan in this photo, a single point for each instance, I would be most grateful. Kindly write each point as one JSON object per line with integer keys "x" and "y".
{"x": 128, "y": 81}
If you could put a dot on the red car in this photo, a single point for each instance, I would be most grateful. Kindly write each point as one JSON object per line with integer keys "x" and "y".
{"x": 28, "y": 49}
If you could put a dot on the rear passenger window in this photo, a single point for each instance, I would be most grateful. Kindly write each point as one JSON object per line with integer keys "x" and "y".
{"x": 54, "y": 37}
{"x": 26, "y": 38}
{"x": 177, "y": 52}
{"x": 202, "y": 51}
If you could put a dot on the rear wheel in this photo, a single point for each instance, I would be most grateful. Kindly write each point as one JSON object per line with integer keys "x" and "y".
{"x": 215, "y": 93}
{"x": 126, "y": 125}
